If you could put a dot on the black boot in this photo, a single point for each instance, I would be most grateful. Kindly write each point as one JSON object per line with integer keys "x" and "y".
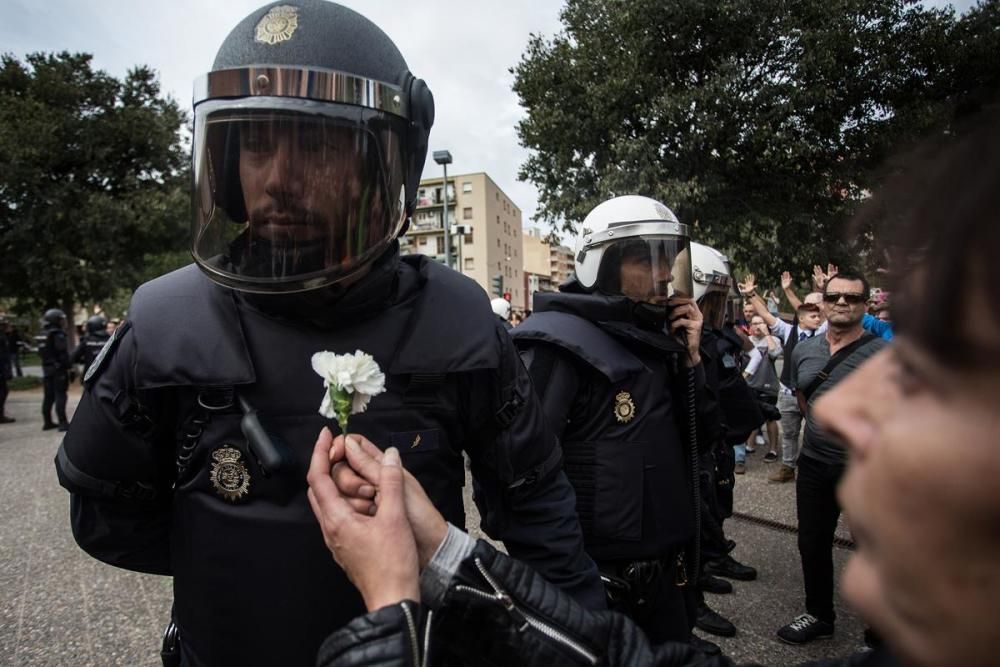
{"x": 713, "y": 623}
{"x": 63, "y": 426}
{"x": 729, "y": 567}
{"x": 48, "y": 426}
{"x": 710, "y": 584}
{"x": 705, "y": 646}
{"x": 7, "y": 420}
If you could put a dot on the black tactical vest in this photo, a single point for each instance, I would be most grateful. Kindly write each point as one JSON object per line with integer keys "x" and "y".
{"x": 622, "y": 447}
{"x": 245, "y": 544}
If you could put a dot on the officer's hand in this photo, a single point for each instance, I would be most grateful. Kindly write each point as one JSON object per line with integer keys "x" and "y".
{"x": 686, "y": 317}
{"x": 361, "y": 467}
{"x": 378, "y": 553}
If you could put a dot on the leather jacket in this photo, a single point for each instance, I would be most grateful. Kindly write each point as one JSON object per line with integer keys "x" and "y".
{"x": 498, "y": 611}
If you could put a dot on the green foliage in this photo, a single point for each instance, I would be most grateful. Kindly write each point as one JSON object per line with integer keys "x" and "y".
{"x": 762, "y": 123}
{"x": 93, "y": 180}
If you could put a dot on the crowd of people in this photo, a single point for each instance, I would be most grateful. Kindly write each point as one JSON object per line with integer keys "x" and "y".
{"x": 604, "y": 432}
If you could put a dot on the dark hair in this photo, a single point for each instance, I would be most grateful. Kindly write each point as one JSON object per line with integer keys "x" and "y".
{"x": 866, "y": 289}
{"x": 937, "y": 225}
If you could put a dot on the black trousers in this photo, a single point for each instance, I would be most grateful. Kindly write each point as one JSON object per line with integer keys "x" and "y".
{"x": 55, "y": 387}
{"x": 666, "y": 611}
{"x": 3, "y": 392}
{"x": 818, "y": 512}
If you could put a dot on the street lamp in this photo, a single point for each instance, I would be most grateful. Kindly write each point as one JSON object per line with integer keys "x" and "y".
{"x": 443, "y": 158}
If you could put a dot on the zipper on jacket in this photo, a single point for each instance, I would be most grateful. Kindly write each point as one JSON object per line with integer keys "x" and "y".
{"x": 523, "y": 619}
{"x": 411, "y": 626}
{"x": 427, "y": 637}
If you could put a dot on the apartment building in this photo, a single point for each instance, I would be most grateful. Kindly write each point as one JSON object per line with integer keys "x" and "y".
{"x": 487, "y": 239}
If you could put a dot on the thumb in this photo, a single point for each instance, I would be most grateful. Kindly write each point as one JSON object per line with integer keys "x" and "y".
{"x": 390, "y": 486}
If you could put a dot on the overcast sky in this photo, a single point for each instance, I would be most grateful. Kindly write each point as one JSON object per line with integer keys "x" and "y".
{"x": 463, "y": 50}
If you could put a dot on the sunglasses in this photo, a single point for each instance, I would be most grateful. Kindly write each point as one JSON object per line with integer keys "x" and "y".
{"x": 853, "y": 299}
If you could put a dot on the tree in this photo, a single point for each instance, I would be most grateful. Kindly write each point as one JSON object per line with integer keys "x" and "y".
{"x": 93, "y": 180}
{"x": 762, "y": 123}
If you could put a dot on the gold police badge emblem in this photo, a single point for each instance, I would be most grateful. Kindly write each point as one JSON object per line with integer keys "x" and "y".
{"x": 624, "y": 407}
{"x": 229, "y": 476}
{"x": 278, "y": 25}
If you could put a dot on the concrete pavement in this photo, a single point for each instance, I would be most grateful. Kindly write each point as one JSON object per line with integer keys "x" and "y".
{"x": 60, "y": 607}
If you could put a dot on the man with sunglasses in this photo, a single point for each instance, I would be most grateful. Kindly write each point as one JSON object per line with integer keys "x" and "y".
{"x": 816, "y": 366}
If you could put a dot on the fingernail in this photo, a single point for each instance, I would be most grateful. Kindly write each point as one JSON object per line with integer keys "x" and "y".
{"x": 391, "y": 457}
{"x": 353, "y": 444}
{"x": 372, "y": 509}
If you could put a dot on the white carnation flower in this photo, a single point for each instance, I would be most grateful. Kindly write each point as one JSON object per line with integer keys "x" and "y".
{"x": 350, "y": 381}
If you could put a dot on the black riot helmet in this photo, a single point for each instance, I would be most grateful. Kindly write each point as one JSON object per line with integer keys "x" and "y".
{"x": 97, "y": 324}
{"x": 55, "y": 317}
{"x": 309, "y": 140}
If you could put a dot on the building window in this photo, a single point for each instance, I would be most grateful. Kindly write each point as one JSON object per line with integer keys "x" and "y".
{"x": 440, "y": 245}
{"x": 468, "y": 237}
{"x": 498, "y": 219}
{"x": 498, "y": 196}
{"x": 467, "y": 213}
{"x": 467, "y": 186}
{"x": 470, "y": 263}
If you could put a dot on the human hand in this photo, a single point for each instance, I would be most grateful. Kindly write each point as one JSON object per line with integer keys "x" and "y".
{"x": 749, "y": 284}
{"x": 831, "y": 271}
{"x": 819, "y": 278}
{"x": 686, "y": 316}
{"x": 357, "y": 466}
{"x": 378, "y": 553}
{"x": 786, "y": 280}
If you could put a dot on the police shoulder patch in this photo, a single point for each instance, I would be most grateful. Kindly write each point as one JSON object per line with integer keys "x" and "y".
{"x": 95, "y": 369}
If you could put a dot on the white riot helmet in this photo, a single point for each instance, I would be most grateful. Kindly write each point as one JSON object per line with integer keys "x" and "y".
{"x": 642, "y": 235}
{"x": 713, "y": 283}
{"x": 501, "y": 308}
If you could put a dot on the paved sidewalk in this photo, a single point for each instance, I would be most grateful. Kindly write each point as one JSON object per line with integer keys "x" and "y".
{"x": 60, "y": 607}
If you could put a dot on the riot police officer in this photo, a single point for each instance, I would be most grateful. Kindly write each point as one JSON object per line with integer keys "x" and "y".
{"x": 92, "y": 342}
{"x": 721, "y": 350}
{"x": 54, "y": 352}
{"x": 188, "y": 453}
{"x": 501, "y": 308}
{"x": 616, "y": 363}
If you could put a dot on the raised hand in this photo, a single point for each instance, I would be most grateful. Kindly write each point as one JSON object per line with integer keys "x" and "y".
{"x": 786, "y": 280}
{"x": 819, "y": 278}
{"x": 749, "y": 284}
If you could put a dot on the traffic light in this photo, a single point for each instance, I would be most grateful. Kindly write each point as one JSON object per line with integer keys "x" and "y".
{"x": 497, "y": 283}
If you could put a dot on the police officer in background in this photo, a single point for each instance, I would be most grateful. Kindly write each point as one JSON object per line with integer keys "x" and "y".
{"x": 615, "y": 360}
{"x": 54, "y": 352}
{"x": 188, "y": 453}
{"x": 91, "y": 343}
{"x": 501, "y": 308}
{"x": 721, "y": 350}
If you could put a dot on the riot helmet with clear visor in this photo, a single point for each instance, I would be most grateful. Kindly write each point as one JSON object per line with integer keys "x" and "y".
{"x": 307, "y": 150}
{"x": 634, "y": 246}
{"x": 713, "y": 283}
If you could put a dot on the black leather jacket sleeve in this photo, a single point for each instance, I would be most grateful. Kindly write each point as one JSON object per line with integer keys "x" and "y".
{"x": 498, "y": 611}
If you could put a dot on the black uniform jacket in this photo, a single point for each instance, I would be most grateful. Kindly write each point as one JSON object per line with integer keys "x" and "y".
{"x": 616, "y": 394}
{"x": 163, "y": 479}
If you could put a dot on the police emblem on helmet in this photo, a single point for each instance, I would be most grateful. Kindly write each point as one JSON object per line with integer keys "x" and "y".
{"x": 278, "y": 25}
{"x": 624, "y": 407}
{"x": 229, "y": 476}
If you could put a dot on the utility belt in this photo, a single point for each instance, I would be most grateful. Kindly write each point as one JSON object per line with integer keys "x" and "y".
{"x": 628, "y": 585}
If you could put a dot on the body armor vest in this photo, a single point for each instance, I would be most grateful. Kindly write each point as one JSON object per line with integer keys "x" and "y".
{"x": 244, "y": 542}
{"x": 622, "y": 447}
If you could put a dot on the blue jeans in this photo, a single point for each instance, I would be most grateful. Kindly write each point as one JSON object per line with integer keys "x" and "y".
{"x": 741, "y": 452}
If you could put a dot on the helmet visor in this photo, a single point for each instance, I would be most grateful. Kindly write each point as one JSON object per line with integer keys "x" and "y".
{"x": 294, "y": 195}
{"x": 647, "y": 269}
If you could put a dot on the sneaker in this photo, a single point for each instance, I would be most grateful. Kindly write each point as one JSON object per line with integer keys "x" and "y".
{"x": 785, "y": 473}
{"x": 770, "y": 457}
{"x": 710, "y": 584}
{"x": 713, "y": 623}
{"x": 7, "y": 420}
{"x": 804, "y": 629}
{"x": 705, "y": 646}
{"x": 740, "y": 468}
{"x": 751, "y": 449}
{"x": 759, "y": 440}
{"x": 730, "y": 568}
